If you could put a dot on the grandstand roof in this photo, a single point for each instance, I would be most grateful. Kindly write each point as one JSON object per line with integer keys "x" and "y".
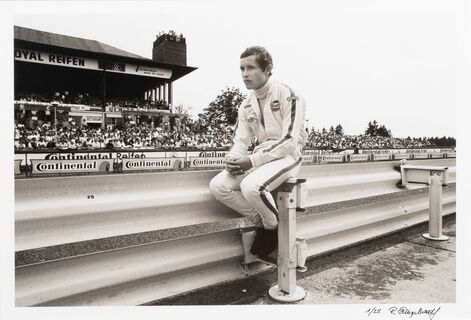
{"x": 60, "y": 40}
{"x": 31, "y": 37}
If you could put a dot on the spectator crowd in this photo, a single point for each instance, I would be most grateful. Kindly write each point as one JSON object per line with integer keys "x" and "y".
{"x": 329, "y": 140}
{"x": 135, "y": 137}
{"x": 143, "y": 137}
{"x": 67, "y": 97}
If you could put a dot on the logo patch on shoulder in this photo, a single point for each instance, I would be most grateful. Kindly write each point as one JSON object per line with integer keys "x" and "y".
{"x": 275, "y": 105}
{"x": 247, "y": 106}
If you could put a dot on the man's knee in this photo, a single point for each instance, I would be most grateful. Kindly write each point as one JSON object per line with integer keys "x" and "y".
{"x": 216, "y": 186}
{"x": 250, "y": 189}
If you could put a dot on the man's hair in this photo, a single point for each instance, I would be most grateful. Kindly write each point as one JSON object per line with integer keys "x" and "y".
{"x": 262, "y": 56}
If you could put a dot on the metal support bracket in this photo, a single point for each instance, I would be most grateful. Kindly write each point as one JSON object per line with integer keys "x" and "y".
{"x": 435, "y": 177}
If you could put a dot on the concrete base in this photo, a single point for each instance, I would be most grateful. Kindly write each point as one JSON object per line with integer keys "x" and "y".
{"x": 440, "y": 238}
{"x": 281, "y": 296}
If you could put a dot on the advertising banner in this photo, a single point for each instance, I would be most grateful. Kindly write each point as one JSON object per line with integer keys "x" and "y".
{"x": 153, "y": 164}
{"x": 17, "y": 167}
{"x": 308, "y": 158}
{"x": 400, "y": 156}
{"x": 71, "y": 166}
{"x": 359, "y": 157}
{"x": 206, "y": 162}
{"x": 117, "y": 156}
{"x": 331, "y": 158}
{"x": 55, "y": 59}
{"x": 451, "y": 154}
{"x": 436, "y": 155}
{"x": 381, "y": 156}
{"x": 421, "y": 155}
{"x": 140, "y": 70}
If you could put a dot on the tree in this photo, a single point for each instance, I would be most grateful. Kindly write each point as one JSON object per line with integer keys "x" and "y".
{"x": 223, "y": 110}
{"x": 339, "y": 130}
{"x": 374, "y": 130}
{"x": 383, "y": 132}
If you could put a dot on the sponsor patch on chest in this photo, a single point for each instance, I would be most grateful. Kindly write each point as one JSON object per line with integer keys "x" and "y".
{"x": 275, "y": 105}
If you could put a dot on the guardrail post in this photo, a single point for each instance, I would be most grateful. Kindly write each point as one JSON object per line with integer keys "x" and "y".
{"x": 435, "y": 200}
{"x": 290, "y": 253}
{"x": 435, "y": 177}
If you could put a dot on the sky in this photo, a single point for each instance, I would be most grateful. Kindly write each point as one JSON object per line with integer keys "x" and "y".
{"x": 395, "y": 62}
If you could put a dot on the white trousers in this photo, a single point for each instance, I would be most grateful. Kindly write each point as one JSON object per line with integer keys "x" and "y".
{"x": 249, "y": 193}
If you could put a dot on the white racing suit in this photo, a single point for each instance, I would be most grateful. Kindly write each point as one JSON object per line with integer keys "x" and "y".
{"x": 274, "y": 160}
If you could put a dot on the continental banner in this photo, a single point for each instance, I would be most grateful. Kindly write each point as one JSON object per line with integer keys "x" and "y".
{"x": 331, "y": 158}
{"x": 436, "y": 155}
{"x": 381, "y": 156}
{"x": 17, "y": 167}
{"x": 451, "y": 154}
{"x": 359, "y": 157}
{"x": 422, "y": 155}
{"x": 206, "y": 162}
{"x": 400, "y": 156}
{"x": 153, "y": 164}
{"x": 71, "y": 166}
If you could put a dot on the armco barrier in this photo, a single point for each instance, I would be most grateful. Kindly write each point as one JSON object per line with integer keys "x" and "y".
{"x": 132, "y": 238}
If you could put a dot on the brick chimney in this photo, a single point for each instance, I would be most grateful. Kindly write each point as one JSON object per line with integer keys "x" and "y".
{"x": 170, "y": 48}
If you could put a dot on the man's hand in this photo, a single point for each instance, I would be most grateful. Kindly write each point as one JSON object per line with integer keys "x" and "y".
{"x": 238, "y": 166}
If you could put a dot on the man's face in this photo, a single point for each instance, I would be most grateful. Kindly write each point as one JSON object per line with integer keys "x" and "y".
{"x": 252, "y": 75}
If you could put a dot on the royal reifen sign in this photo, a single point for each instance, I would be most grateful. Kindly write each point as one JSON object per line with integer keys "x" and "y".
{"x": 153, "y": 164}
{"x": 55, "y": 59}
{"x": 71, "y": 166}
{"x": 72, "y": 61}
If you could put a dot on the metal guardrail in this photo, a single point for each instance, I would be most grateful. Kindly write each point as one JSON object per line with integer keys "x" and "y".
{"x": 133, "y": 238}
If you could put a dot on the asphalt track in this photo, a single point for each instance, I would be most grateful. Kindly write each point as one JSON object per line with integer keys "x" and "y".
{"x": 402, "y": 267}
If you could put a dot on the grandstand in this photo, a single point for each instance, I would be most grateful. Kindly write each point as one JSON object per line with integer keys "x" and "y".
{"x": 77, "y": 81}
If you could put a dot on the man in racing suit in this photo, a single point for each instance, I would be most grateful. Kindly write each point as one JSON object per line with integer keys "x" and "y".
{"x": 273, "y": 114}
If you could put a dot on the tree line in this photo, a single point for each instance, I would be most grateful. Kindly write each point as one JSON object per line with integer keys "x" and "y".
{"x": 222, "y": 113}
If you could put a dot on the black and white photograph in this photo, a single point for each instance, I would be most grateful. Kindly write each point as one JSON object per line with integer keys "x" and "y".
{"x": 211, "y": 159}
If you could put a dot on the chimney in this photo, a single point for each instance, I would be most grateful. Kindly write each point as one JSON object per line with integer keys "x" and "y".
{"x": 170, "y": 48}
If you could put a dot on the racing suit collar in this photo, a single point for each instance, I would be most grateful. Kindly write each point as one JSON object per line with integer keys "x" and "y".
{"x": 262, "y": 92}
